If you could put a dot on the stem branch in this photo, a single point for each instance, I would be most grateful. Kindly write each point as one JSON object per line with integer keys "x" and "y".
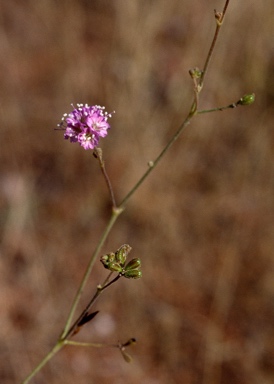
{"x": 98, "y": 153}
{"x": 115, "y": 213}
{"x": 219, "y": 18}
{"x": 233, "y": 105}
{"x": 152, "y": 164}
{"x": 99, "y": 290}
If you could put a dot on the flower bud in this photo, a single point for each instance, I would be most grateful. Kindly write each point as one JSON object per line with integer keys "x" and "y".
{"x": 133, "y": 274}
{"x": 133, "y": 264}
{"x": 195, "y": 73}
{"x": 114, "y": 267}
{"x": 106, "y": 259}
{"x": 247, "y": 99}
{"x": 121, "y": 254}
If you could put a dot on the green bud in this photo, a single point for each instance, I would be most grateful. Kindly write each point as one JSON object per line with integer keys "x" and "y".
{"x": 133, "y": 264}
{"x": 195, "y": 73}
{"x": 121, "y": 254}
{"x": 114, "y": 267}
{"x": 106, "y": 259}
{"x": 133, "y": 274}
{"x": 111, "y": 257}
{"x": 247, "y": 99}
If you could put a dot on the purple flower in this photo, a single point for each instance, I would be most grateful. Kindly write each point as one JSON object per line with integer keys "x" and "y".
{"x": 85, "y": 125}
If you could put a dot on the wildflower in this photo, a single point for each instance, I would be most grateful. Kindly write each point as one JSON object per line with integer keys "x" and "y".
{"x": 85, "y": 125}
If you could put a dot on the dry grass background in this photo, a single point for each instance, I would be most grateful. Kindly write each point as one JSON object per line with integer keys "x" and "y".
{"x": 202, "y": 223}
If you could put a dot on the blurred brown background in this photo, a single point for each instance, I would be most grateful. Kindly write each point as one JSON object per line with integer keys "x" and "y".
{"x": 202, "y": 223}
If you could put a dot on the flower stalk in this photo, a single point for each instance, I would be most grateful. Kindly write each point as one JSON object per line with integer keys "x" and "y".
{"x": 114, "y": 216}
{"x": 86, "y": 125}
{"x": 98, "y": 154}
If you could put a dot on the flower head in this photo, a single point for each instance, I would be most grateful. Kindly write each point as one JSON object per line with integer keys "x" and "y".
{"x": 85, "y": 125}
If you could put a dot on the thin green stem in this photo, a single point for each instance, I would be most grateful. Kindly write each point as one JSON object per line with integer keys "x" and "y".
{"x": 98, "y": 153}
{"x": 153, "y": 164}
{"x": 219, "y": 21}
{"x": 113, "y": 218}
{"x": 192, "y": 113}
{"x": 99, "y": 290}
{"x": 234, "y": 105}
{"x": 48, "y": 357}
{"x": 107, "y": 279}
{"x": 80, "y": 344}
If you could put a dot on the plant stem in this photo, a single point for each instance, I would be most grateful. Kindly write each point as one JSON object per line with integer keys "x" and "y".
{"x": 233, "y": 105}
{"x": 99, "y": 155}
{"x": 80, "y": 344}
{"x": 115, "y": 213}
{"x": 152, "y": 164}
{"x": 117, "y": 210}
{"x": 99, "y": 290}
{"x": 48, "y": 357}
{"x": 192, "y": 113}
{"x": 220, "y": 19}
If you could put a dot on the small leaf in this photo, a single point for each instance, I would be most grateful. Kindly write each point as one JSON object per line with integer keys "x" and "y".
{"x": 88, "y": 317}
{"x": 131, "y": 341}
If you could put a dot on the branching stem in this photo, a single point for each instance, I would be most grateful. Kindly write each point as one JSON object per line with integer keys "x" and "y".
{"x": 219, "y": 21}
{"x": 99, "y": 290}
{"x": 233, "y": 105}
{"x": 117, "y": 210}
{"x": 115, "y": 213}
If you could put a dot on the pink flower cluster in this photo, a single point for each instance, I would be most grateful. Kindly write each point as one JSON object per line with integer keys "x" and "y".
{"x": 86, "y": 125}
